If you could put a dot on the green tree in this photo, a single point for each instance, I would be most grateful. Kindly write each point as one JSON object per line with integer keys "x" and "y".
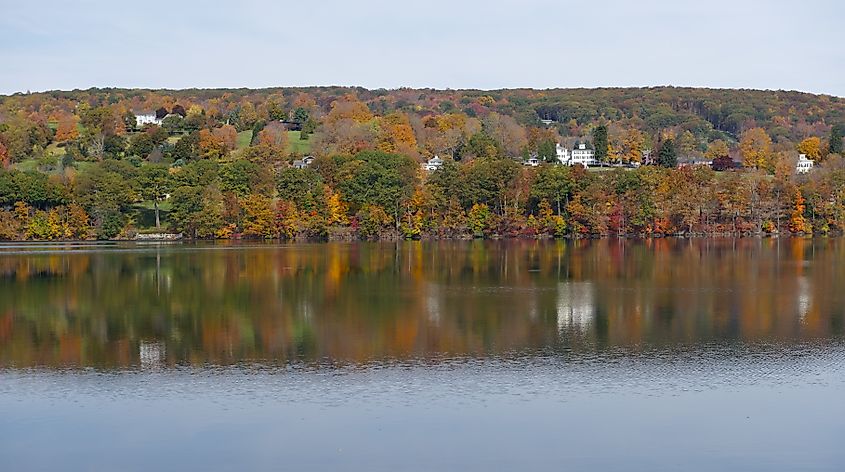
{"x": 554, "y": 184}
{"x": 106, "y": 194}
{"x": 667, "y": 157}
{"x": 243, "y": 177}
{"x": 304, "y": 187}
{"x": 154, "y": 184}
{"x": 377, "y": 178}
{"x": 600, "y": 142}
{"x": 835, "y": 144}
{"x": 546, "y": 151}
{"x": 197, "y": 211}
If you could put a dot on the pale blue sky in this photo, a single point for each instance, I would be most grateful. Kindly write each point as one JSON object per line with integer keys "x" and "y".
{"x": 776, "y": 44}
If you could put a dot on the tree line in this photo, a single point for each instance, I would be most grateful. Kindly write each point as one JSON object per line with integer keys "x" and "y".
{"x": 373, "y": 194}
{"x": 218, "y": 164}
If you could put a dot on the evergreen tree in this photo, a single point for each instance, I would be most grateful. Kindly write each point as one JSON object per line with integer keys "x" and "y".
{"x": 836, "y": 139}
{"x": 600, "y": 142}
{"x": 667, "y": 156}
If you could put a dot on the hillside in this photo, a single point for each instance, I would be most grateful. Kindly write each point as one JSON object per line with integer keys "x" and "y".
{"x": 231, "y": 163}
{"x": 705, "y": 112}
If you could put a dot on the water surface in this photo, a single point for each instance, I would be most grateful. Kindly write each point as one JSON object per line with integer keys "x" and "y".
{"x": 606, "y": 355}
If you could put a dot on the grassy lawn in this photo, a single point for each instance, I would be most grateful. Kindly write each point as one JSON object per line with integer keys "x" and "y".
{"x": 26, "y": 165}
{"x": 298, "y": 146}
{"x": 54, "y": 150}
{"x": 244, "y": 137}
{"x": 83, "y": 166}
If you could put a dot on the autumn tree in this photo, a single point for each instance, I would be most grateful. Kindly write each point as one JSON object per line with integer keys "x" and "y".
{"x": 755, "y": 146}
{"x": 67, "y": 128}
{"x": 396, "y": 135}
{"x": 99, "y": 125}
{"x": 717, "y": 149}
{"x": 811, "y": 147}
{"x": 259, "y": 219}
{"x": 688, "y": 144}
{"x": 509, "y": 136}
{"x": 797, "y": 221}
{"x": 270, "y": 147}
{"x": 542, "y": 141}
{"x": 632, "y": 146}
{"x": 4, "y": 156}
{"x": 228, "y": 135}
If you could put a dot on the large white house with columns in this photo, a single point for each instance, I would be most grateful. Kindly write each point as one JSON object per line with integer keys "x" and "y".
{"x": 579, "y": 154}
{"x": 142, "y": 119}
{"x": 804, "y": 165}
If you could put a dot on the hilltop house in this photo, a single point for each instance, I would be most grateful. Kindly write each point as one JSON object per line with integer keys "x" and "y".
{"x": 142, "y": 119}
{"x": 581, "y": 154}
{"x": 432, "y": 164}
{"x": 804, "y": 165}
{"x": 303, "y": 163}
{"x": 532, "y": 162}
{"x": 694, "y": 161}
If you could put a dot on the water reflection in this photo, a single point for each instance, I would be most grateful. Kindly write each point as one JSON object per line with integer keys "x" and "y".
{"x": 157, "y": 306}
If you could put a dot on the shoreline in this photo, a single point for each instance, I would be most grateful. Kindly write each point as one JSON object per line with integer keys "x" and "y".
{"x": 174, "y": 238}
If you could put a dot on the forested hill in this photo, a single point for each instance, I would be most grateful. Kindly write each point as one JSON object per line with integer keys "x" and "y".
{"x": 322, "y": 162}
{"x": 708, "y": 113}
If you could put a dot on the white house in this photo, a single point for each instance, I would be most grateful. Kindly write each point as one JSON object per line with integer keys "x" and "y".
{"x": 142, "y": 119}
{"x": 694, "y": 161}
{"x": 433, "y": 164}
{"x": 532, "y": 162}
{"x": 804, "y": 165}
{"x": 563, "y": 154}
{"x": 580, "y": 154}
{"x": 303, "y": 163}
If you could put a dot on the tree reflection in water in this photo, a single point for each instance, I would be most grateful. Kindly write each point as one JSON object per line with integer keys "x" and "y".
{"x": 157, "y": 306}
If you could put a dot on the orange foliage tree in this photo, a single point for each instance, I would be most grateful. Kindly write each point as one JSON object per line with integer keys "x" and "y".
{"x": 67, "y": 129}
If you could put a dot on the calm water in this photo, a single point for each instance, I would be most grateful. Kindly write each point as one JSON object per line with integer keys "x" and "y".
{"x": 591, "y": 355}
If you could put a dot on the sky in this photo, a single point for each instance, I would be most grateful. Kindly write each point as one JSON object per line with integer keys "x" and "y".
{"x": 775, "y": 44}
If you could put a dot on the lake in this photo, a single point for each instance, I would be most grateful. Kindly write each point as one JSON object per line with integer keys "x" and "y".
{"x": 665, "y": 354}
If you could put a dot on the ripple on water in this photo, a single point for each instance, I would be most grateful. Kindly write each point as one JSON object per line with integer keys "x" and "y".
{"x": 523, "y": 376}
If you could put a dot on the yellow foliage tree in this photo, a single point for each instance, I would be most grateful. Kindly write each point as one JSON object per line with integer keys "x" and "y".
{"x": 337, "y": 208}
{"x": 797, "y": 222}
{"x": 4, "y": 156}
{"x": 755, "y": 146}
{"x": 396, "y": 135}
{"x": 351, "y": 108}
{"x": 76, "y": 224}
{"x": 812, "y": 147}
{"x": 632, "y": 146}
{"x": 259, "y": 219}
{"x": 717, "y": 149}
{"x": 288, "y": 222}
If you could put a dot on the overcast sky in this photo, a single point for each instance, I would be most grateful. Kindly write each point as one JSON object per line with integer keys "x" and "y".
{"x": 775, "y": 44}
